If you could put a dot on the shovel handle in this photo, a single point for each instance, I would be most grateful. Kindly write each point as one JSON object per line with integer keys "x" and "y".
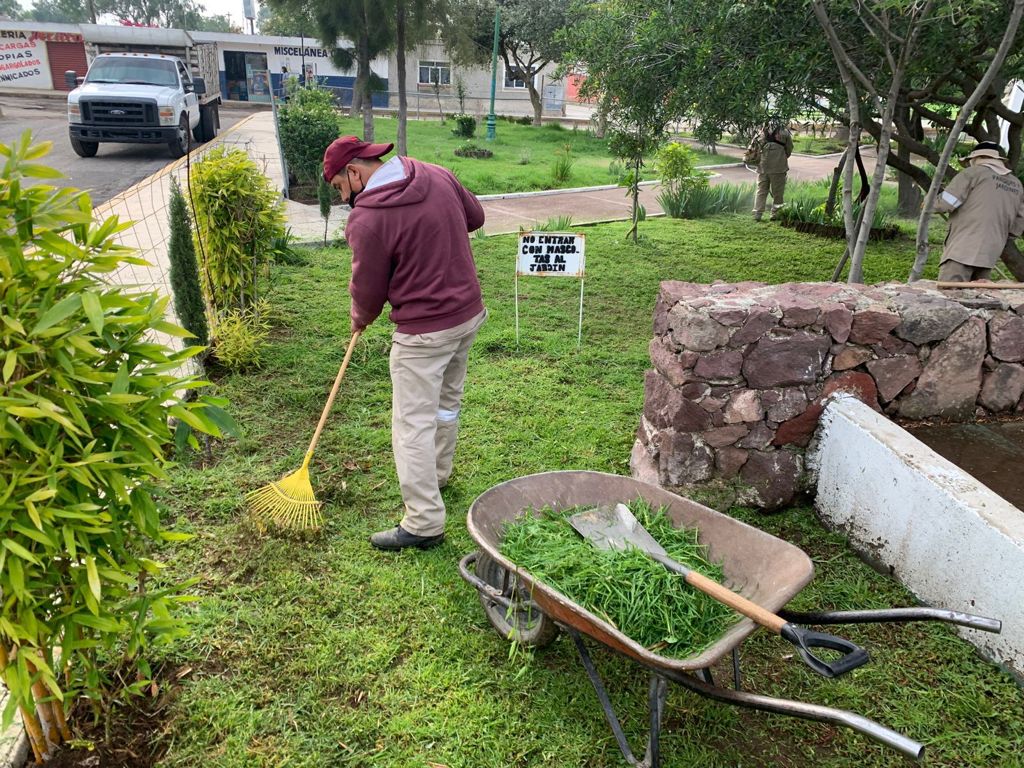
{"x": 735, "y": 601}
{"x": 805, "y": 640}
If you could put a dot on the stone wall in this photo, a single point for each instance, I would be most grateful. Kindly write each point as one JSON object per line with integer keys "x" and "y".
{"x": 742, "y": 370}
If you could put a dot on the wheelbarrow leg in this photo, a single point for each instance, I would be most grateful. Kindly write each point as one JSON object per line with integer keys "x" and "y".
{"x": 736, "y": 680}
{"x": 656, "y": 702}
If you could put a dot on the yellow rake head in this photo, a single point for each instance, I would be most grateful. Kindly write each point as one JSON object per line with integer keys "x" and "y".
{"x": 288, "y": 503}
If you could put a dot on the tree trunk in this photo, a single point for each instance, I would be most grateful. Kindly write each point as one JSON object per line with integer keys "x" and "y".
{"x": 853, "y": 130}
{"x": 357, "y": 89}
{"x": 535, "y": 99}
{"x": 887, "y": 108}
{"x": 833, "y": 188}
{"x": 909, "y": 194}
{"x": 403, "y": 106}
{"x": 1014, "y": 259}
{"x": 364, "y": 63}
{"x": 602, "y": 118}
{"x": 635, "y": 194}
{"x": 940, "y": 168}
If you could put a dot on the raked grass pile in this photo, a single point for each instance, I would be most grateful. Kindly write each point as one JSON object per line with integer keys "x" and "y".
{"x": 635, "y": 594}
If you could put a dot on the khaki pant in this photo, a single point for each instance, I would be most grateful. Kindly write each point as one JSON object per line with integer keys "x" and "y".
{"x": 428, "y": 373}
{"x": 955, "y": 272}
{"x": 774, "y": 182}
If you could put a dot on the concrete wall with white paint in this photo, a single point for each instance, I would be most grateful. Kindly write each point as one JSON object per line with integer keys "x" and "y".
{"x": 945, "y": 536}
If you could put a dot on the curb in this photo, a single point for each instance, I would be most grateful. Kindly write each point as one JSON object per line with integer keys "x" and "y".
{"x": 600, "y": 188}
{"x": 545, "y": 192}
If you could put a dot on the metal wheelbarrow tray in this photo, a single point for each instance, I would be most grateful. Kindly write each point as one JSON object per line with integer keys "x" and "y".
{"x": 762, "y": 567}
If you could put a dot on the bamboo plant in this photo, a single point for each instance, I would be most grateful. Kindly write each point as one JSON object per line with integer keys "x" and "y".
{"x": 86, "y": 403}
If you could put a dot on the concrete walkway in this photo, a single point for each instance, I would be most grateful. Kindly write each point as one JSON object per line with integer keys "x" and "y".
{"x": 146, "y": 202}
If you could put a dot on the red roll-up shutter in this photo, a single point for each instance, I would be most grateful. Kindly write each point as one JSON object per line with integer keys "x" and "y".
{"x": 65, "y": 56}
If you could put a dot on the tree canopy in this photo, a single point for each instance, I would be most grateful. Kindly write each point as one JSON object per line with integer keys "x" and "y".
{"x": 528, "y": 39}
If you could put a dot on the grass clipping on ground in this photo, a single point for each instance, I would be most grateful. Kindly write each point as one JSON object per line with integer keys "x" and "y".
{"x": 638, "y": 596}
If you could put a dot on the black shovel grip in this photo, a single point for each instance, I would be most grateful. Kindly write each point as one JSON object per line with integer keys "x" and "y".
{"x": 806, "y": 639}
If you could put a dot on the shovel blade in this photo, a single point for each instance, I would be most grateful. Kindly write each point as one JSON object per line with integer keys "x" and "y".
{"x": 608, "y": 527}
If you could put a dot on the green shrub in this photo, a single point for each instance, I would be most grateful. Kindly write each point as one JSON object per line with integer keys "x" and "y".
{"x": 677, "y": 167}
{"x": 617, "y": 170}
{"x": 86, "y": 400}
{"x": 805, "y": 203}
{"x": 555, "y": 224}
{"x": 310, "y": 97}
{"x": 281, "y": 250}
{"x": 238, "y": 219}
{"x": 561, "y": 169}
{"x": 307, "y": 125}
{"x": 181, "y": 253}
{"x": 465, "y": 126}
{"x": 700, "y": 202}
{"x": 242, "y": 336}
{"x": 471, "y": 149}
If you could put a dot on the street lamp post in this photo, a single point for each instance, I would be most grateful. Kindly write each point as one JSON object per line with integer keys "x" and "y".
{"x": 491, "y": 119}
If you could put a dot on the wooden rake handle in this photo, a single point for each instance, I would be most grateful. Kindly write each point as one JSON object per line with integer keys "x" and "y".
{"x": 330, "y": 397}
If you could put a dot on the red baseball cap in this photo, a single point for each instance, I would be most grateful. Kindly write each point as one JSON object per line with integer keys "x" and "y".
{"x": 344, "y": 150}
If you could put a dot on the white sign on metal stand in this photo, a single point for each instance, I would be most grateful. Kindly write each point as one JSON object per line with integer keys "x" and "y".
{"x": 551, "y": 254}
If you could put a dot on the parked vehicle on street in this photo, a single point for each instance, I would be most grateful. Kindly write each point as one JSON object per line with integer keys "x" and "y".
{"x": 163, "y": 91}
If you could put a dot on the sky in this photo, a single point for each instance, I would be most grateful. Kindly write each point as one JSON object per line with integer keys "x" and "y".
{"x": 230, "y": 8}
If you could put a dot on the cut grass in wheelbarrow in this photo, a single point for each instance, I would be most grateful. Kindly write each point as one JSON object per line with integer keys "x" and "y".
{"x": 630, "y": 591}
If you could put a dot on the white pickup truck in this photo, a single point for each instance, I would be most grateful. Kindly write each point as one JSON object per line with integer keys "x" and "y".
{"x": 133, "y": 97}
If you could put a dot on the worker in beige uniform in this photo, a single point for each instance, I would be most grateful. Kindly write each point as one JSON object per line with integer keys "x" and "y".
{"x": 773, "y": 148}
{"x": 985, "y": 203}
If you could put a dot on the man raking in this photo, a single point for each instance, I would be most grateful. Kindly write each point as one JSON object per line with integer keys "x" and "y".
{"x": 408, "y": 231}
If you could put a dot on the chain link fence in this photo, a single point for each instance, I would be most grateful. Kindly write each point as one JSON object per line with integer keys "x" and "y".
{"x": 146, "y": 206}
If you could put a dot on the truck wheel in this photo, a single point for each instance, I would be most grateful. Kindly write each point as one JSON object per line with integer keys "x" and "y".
{"x": 197, "y": 133}
{"x": 208, "y": 123}
{"x": 180, "y": 143}
{"x": 85, "y": 148}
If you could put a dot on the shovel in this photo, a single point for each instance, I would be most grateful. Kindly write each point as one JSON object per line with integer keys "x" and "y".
{"x": 617, "y": 528}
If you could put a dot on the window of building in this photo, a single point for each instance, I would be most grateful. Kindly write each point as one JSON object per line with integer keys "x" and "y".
{"x": 431, "y": 72}
{"x": 515, "y": 77}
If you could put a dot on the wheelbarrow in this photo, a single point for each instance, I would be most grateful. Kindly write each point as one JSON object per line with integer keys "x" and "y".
{"x": 761, "y": 567}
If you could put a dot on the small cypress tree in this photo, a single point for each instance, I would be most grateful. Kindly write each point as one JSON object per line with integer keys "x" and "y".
{"x": 181, "y": 251}
{"x": 323, "y": 196}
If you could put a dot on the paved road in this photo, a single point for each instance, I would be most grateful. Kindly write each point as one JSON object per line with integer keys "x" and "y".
{"x": 115, "y": 168}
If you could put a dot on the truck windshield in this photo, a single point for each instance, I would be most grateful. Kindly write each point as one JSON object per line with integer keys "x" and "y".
{"x": 132, "y": 70}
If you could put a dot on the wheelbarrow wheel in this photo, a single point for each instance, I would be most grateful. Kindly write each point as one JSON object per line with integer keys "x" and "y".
{"x": 524, "y": 622}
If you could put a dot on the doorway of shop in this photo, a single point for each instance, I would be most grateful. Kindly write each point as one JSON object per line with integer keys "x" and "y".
{"x": 247, "y": 75}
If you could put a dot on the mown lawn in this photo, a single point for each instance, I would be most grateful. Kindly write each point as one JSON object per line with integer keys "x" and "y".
{"x": 321, "y": 652}
{"x": 523, "y": 159}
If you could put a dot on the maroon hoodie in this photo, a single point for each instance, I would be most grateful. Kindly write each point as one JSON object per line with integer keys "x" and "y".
{"x": 410, "y": 247}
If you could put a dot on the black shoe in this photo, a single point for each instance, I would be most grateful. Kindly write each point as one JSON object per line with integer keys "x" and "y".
{"x": 398, "y": 538}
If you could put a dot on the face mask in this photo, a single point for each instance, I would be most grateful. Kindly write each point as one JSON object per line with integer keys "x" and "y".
{"x": 352, "y": 194}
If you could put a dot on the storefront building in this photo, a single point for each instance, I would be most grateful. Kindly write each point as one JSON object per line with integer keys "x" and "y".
{"x": 252, "y": 65}
{"x": 36, "y": 55}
